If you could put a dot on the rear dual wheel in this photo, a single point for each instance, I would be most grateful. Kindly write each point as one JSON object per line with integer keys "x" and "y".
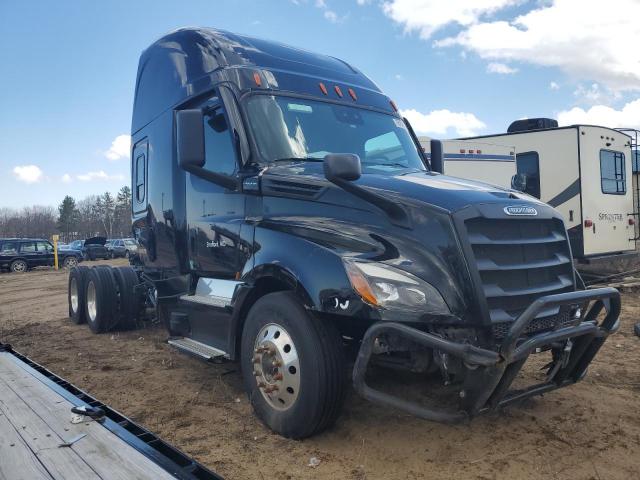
{"x": 111, "y": 299}
{"x": 76, "y": 293}
{"x": 292, "y": 366}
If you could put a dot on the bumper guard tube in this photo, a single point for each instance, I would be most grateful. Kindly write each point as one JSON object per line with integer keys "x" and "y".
{"x": 495, "y": 370}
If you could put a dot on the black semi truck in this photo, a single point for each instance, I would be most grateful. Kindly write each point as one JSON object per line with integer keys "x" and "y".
{"x": 289, "y": 220}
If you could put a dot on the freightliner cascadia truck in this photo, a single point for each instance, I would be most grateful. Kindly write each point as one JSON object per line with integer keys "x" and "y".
{"x": 289, "y": 221}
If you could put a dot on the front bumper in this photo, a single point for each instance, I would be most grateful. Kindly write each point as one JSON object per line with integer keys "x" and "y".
{"x": 494, "y": 371}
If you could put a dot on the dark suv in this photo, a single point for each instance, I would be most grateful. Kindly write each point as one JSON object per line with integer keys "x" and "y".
{"x": 91, "y": 248}
{"x": 21, "y": 254}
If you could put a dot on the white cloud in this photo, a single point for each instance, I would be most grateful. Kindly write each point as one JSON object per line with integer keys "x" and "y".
{"x": 495, "y": 67}
{"x": 120, "y": 148}
{"x": 593, "y": 94}
{"x": 362, "y": 2}
{"x": 99, "y": 175}
{"x": 331, "y": 16}
{"x": 627, "y": 116}
{"x": 428, "y": 16}
{"x": 440, "y": 121}
{"x": 586, "y": 40}
{"x": 397, "y": 76}
{"x": 66, "y": 178}
{"x": 554, "y": 86}
{"x": 28, "y": 173}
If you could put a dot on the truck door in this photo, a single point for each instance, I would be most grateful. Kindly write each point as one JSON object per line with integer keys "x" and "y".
{"x": 215, "y": 214}
{"x": 214, "y": 219}
{"x": 607, "y": 196}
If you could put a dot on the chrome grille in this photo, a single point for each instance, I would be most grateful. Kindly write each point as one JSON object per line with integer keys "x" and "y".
{"x": 519, "y": 260}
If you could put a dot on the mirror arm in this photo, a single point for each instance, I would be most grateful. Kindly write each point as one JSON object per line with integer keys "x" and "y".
{"x": 221, "y": 179}
{"x": 397, "y": 214}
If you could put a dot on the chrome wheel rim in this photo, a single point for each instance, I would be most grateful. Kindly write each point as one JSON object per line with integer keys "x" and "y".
{"x": 73, "y": 292}
{"x": 70, "y": 262}
{"x": 19, "y": 266}
{"x": 276, "y": 367}
{"x": 91, "y": 301}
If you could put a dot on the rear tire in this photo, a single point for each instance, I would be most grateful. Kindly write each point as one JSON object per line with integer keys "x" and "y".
{"x": 19, "y": 266}
{"x": 77, "y": 286}
{"x": 128, "y": 301}
{"x": 101, "y": 300}
{"x": 70, "y": 262}
{"x": 310, "y": 395}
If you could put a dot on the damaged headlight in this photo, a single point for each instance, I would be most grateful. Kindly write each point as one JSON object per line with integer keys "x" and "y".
{"x": 384, "y": 286}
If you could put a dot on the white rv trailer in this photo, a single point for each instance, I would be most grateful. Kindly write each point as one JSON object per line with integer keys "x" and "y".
{"x": 585, "y": 172}
{"x": 498, "y": 162}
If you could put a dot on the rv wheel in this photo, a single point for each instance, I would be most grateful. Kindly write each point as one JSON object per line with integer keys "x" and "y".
{"x": 100, "y": 300}
{"x": 292, "y": 366}
{"x": 76, "y": 293}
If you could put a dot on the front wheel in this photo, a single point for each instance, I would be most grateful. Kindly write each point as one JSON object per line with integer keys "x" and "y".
{"x": 293, "y": 366}
{"x": 19, "y": 266}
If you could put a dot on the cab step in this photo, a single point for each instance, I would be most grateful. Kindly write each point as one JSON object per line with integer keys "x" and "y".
{"x": 197, "y": 348}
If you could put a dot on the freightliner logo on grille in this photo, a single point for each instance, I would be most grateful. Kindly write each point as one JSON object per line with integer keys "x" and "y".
{"x": 520, "y": 210}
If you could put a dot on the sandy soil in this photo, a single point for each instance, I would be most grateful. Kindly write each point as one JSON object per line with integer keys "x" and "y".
{"x": 587, "y": 431}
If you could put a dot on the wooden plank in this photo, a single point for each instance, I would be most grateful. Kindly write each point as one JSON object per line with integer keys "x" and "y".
{"x": 109, "y": 456}
{"x": 17, "y": 461}
{"x": 62, "y": 463}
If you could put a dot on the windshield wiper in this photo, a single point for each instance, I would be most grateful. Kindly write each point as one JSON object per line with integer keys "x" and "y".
{"x": 298, "y": 159}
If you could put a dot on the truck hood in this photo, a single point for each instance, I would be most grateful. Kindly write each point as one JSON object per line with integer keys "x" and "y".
{"x": 444, "y": 192}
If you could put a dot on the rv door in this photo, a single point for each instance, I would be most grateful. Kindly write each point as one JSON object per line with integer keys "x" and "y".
{"x": 607, "y": 196}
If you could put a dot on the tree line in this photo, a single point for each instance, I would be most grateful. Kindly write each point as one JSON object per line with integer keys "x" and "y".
{"x": 95, "y": 215}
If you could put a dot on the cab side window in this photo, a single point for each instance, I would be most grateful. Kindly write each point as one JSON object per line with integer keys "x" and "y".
{"x": 218, "y": 143}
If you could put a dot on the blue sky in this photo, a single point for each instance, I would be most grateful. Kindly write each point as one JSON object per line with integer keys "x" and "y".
{"x": 455, "y": 68}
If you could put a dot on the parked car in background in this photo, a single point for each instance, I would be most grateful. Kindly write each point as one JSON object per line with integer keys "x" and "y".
{"x": 122, "y": 247}
{"x": 91, "y": 248}
{"x": 21, "y": 254}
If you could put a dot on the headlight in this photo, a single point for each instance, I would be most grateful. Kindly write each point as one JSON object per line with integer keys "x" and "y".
{"x": 384, "y": 286}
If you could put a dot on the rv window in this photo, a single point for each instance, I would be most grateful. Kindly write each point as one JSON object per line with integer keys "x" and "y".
{"x": 528, "y": 164}
{"x": 612, "y": 172}
{"x": 218, "y": 144}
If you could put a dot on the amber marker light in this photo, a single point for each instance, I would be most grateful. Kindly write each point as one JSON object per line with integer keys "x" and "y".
{"x": 257, "y": 79}
{"x": 360, "y": 284}
{"x": 323, "y": 88}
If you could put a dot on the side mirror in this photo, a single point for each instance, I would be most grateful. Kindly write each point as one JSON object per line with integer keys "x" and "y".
{"x": 437, "y": 157}
{"x": 519, "y": 182}
{"x": 342, "y": 166}
{"x": 190, "y": 148}
{"x": 190, "y": 138}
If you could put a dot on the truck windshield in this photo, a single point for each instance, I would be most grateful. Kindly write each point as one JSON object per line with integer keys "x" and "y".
{"x": 288, "y": 128}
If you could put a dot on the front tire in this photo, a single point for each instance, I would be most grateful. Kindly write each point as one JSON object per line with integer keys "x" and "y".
{"x": 19, "y": 266}
{"x": 292, "y": 366}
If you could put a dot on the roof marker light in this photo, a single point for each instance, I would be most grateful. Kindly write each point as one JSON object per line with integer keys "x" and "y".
{"x": 478, "y": 152}
{"x": 257, "y": 79}
{"x": 338, "y": 91}
{"x": 323, "y": 88}
{"x": 588, "y": 223}
{"x": 353, "y": 94}
{"x": 462, "y": 150}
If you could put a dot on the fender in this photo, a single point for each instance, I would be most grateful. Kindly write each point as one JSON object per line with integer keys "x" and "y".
{"x": 314, "y": 272}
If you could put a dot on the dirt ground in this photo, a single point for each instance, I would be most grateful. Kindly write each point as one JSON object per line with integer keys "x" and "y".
{"x": 587, "y": 431}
